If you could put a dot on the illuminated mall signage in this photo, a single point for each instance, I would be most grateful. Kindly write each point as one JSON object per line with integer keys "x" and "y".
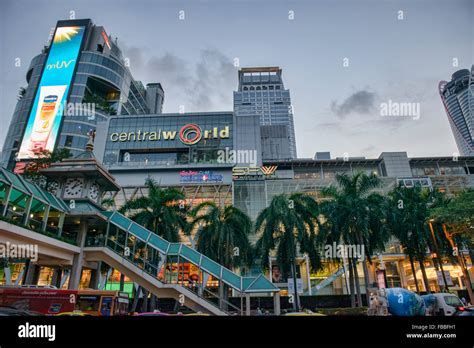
{"x": 48, "y": 105}
{"x": 240, "y": 172}
{"x": 199, "y": 176}
{"x": 189, "y": 134}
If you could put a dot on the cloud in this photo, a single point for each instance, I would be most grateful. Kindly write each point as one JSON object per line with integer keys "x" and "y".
{"x": 360, "y": 102}
{"x": 213, "y": 79}
{"x": 201, "y": 85}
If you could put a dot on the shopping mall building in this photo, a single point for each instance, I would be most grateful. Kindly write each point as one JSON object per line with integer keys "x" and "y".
{"x": 237, "y": 157}
{"x": 199, "y": 172}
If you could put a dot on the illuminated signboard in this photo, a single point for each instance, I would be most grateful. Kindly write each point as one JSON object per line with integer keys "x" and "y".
{"x": 266, "y": 171}
{"x": 201, "y": 176}
{"x": 189, "y": 134}
{"x": 47, "y": 111}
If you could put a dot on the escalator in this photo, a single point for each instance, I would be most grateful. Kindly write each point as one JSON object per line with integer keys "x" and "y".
{"x": 155, "y": 264}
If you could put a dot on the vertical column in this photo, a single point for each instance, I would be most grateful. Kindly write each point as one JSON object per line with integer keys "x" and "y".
{"x": 221, "y": 295}
{"x": 56, "y": 279}
{"x": 31, "y": 276}
{"x": 95, "y": 277}
{"x": 78, "y": 260}
{"x": 276, "y": 303}
{"x": 45, "y": 218}
{"x": 61, "y": 223}
{"x": 247, "y": 304}
{"x": 26, "y": 215}
{"x": 7, "y": 198}
{"x": 401, "y": 272}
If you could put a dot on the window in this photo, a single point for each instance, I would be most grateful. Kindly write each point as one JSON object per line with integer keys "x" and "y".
{"x": 452, "y": 171}
{"x": 452, "y": 301}
{"x": 88, "y": 303}
{"x": 430, "y": 171}
{"x": 68, "y": 141}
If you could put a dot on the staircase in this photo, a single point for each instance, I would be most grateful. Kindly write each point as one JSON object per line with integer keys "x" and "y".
{"x": 148, "y": 260}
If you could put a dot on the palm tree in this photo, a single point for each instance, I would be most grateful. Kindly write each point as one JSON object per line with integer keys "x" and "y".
{"x": 456, "y": 219}
{"x": 160, "y": 211}
{"x": 355, "y": 216}
{"x": 406, "y": 218}
{"x": 223, "y": 234}
{"x": 289, "y": 222}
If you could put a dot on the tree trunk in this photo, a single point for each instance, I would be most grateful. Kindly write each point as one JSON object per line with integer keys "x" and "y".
{"x": 438, "y": 256}
{"x": 423, "y": 272}
{"x": 295, "y": 284}
{"x": 366, "y": 272}
{"x": 357, "y": 283}
{"x": 351, "y": 283}
{"x": 439, "y": 265}
{"x": 366, "y": 280}
{"x": 414, "y": 274}
{"x": 295, "y": 275}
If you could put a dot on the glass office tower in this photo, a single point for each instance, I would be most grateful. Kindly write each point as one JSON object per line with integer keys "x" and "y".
{"x": 458, "y": 99}
{"x": 101, "y": 78}
{"x": 261, "y": 92}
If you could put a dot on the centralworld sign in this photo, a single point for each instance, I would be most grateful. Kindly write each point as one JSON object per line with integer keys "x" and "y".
{"x": 189, "y": 134}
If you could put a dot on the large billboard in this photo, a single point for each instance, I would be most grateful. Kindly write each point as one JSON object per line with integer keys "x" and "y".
{"x": 51, "y": 96}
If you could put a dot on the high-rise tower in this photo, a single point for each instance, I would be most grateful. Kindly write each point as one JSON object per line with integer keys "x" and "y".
{"x": 80, "y": 78}
{"x": 261, "y": 92}
{"x": 458, "y": 99}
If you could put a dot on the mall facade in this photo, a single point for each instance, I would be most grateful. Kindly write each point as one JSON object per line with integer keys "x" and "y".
{"x": 233, "y": 157}
{"x": 200, "y": 173}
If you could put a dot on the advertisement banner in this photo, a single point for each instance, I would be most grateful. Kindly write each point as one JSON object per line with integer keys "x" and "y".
{"x": 447, "y": 275}
{"x": 46, "y": 114}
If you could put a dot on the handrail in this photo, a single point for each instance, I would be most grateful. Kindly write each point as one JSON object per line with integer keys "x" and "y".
{"x": 90, "y": 242}
{"x": 219, "y": 274}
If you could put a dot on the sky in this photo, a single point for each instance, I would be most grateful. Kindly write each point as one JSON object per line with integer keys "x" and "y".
{"x": 344, "y": 61}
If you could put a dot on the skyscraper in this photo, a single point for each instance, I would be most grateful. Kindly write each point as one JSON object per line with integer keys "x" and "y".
{"x": 82, "y": 65}
{"x": 261, "y": 92}
{"x": 458, "y": 99}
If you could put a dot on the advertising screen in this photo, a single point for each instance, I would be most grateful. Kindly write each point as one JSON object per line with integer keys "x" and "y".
{"x": 46, "y": 114}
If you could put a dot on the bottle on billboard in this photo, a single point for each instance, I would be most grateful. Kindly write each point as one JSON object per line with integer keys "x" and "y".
{"x": 49, "y": 102}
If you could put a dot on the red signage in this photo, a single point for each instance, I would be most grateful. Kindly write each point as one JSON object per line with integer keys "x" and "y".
{"x": 190, "y": 134}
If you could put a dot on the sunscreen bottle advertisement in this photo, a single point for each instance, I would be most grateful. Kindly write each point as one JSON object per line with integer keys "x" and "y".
{"x": 46, "y": 114}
